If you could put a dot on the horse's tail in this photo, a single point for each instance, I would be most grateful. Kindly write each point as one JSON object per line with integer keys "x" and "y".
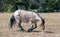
{"x": 43, "y": 23}
{"x": 12, "y": 20}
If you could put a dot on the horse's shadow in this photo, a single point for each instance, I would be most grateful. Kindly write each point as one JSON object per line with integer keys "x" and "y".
{"x": 39, "y": 31}
{"x": 30, "y": 31}
{"x": 43, "y": 31}
{"x": 49, "y": 32}
{"x": 35, "y": 31}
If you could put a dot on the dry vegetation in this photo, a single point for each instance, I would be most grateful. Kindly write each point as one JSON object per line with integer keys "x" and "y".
{"x": 52, "y": 27}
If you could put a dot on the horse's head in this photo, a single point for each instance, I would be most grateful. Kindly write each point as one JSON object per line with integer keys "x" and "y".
{"x": 42, "y": 21}
{"x": 43, "y": 24}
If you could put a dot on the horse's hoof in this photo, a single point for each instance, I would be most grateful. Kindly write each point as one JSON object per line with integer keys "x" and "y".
{"x": 22, "y": 30}
{"x": 29, "y": 30}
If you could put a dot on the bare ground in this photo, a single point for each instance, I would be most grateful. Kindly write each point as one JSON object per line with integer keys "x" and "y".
{"x": 52, "y": 27}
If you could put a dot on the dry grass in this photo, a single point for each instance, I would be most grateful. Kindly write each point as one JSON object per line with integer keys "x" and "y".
{"x": 52, "y": 27}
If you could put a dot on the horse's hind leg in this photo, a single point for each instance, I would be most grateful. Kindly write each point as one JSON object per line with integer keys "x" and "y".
{"x": 19, "y": 24}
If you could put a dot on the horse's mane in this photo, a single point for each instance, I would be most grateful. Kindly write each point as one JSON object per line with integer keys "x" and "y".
{"x": 39, "y": 15}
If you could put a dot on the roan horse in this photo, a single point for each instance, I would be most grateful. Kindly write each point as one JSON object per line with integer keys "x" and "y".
{"x": 28, "y": 17}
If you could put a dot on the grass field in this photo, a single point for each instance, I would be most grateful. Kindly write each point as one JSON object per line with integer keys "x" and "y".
{"x": 52, "y": 25}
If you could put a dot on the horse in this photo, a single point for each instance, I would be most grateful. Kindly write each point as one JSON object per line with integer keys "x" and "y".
{"x": 30, "y": 17}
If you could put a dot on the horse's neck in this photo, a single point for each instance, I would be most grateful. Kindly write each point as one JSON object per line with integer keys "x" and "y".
{"x": 38, "y": 17}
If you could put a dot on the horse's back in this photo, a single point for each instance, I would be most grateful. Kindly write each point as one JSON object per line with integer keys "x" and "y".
{"x": 26, "y": 15}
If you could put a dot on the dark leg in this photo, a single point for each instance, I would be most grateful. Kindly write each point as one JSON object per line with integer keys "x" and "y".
{"x": 21, "y": 26}
{"x": 32, "y": 28}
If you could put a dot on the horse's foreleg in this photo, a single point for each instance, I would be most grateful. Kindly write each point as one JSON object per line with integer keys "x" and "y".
{"x": 35, "y": 26}
{"x": 19, "y": 24}
{"x": 32, "y": 27}
{"x": 30, "y": 23}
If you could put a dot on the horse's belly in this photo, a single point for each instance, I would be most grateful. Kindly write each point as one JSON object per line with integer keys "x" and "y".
{"x": 25, "y": 19}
